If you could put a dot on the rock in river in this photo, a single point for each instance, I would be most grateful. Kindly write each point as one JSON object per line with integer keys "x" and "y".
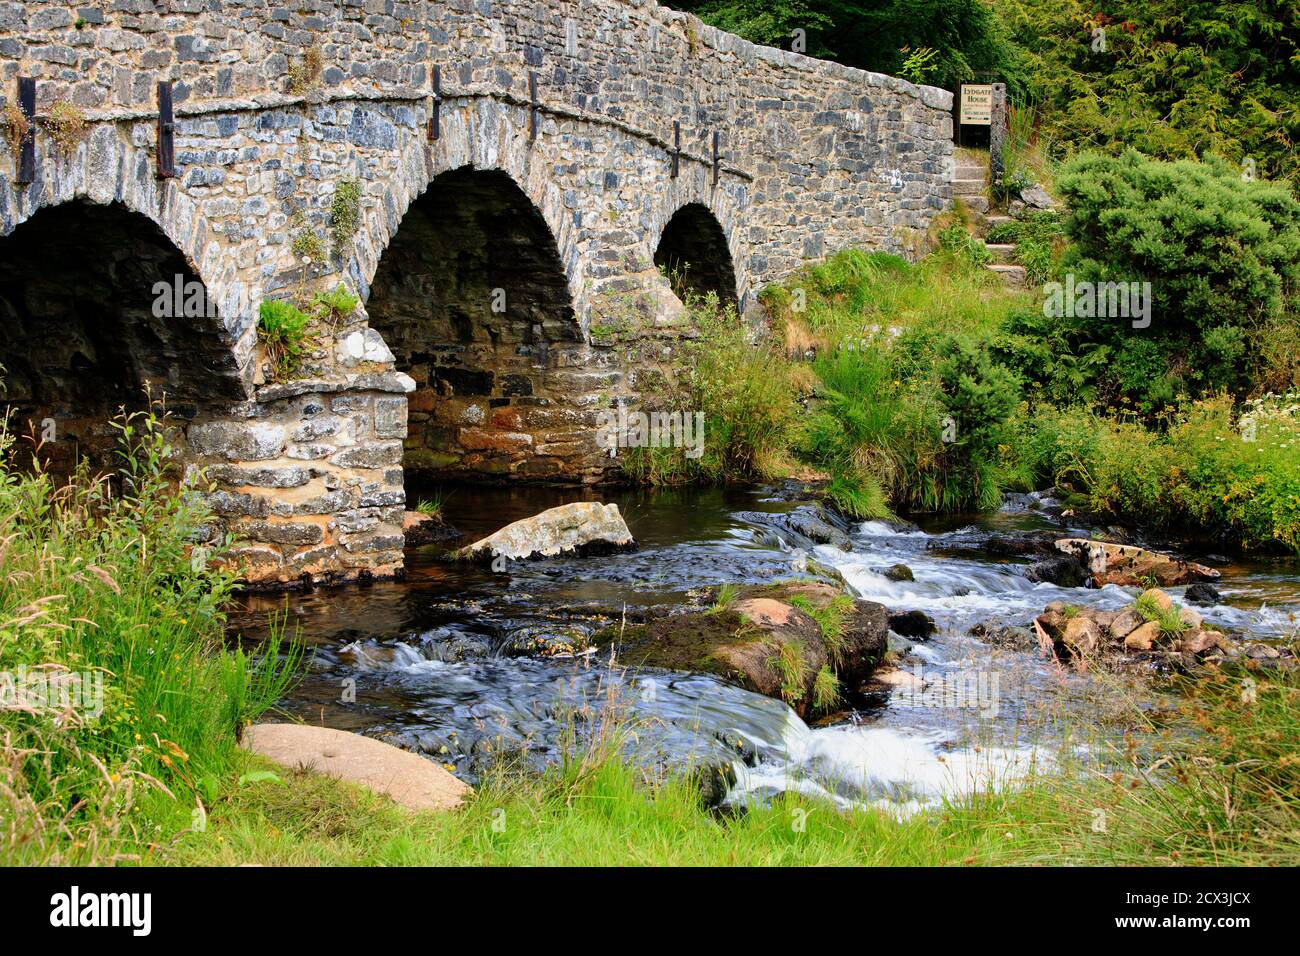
{"x": 1129, "y": 566}
{"x": 581, "y": 528}
{"x": 774, "y": 639}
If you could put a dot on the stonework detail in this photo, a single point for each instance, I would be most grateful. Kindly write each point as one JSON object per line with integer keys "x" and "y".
{"x": 561, "y": 203}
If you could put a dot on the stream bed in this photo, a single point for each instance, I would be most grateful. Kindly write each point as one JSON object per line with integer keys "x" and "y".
{"x": 433, "y": 663}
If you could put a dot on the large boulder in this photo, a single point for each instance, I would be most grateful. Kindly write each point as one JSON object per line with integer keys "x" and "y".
{"x": 1129, "y": 566}
{"x": 581, "y": 528}
{"x": 411, "y": 781}
{"x": 774, "y": 639}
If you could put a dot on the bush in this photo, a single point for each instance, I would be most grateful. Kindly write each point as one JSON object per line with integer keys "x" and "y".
{"x": 1216, "y": 473}
{"x": 744, "y": 388}
{"x": 1222, "y": 256}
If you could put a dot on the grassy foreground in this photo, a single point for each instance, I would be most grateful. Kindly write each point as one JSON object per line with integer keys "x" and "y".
{"x": 1232, "y": 798}
{"x": 102, "y": 578}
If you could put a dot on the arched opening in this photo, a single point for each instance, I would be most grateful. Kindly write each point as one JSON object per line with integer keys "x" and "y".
{"x": 693, "y": 253}
{"x": 99, "y": 310}
{"x": 472, "y": 299}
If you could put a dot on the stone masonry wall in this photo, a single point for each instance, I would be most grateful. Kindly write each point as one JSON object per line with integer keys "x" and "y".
{"x": 814, "y": 157}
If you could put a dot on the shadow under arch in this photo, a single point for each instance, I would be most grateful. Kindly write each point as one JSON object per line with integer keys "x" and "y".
{"x": 693, "y": 252}
{"x": 472, "y": 298}
{"x": 98, "y": 309}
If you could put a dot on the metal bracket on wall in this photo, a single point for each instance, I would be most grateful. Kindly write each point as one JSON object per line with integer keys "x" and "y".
{"x": 27, "y": 147}
{"x": 166, "y": 132}
{"x": 435, "y": 111}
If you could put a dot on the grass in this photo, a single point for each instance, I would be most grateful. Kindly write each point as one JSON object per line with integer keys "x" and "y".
{"x": 101, "y": 584}
{"x": 282, "y": 331}
{"x": 1230, "y": 795}
{"x": 431, "y": 506}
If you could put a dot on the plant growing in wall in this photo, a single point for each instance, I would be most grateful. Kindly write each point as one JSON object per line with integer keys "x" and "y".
{"x": 305, "y": 74}
{"x": 345, "y": 213}
{"x": 16, "y": 127}
{"x": 66, "y": 125}
{"x": 307, "y": 246}
{"x": 282, "y": 331}
{"x": 335, "y": 307}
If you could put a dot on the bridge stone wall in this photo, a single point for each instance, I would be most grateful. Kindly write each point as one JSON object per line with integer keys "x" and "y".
{"x": 279, "y": 105}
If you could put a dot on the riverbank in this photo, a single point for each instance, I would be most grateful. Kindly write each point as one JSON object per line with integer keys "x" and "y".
{"x": 1230, "y": 797}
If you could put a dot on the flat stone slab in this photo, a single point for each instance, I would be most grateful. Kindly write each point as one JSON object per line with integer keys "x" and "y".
{"x": 411, "y": 781}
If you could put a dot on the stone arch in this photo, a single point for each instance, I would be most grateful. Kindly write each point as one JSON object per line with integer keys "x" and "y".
{"x": 701, "y": 223}
{"x": 99, "y": 310}
{"x": 484, "y": 135}
{"x": 473, "y": 299}
{"x": 106, "y": 168}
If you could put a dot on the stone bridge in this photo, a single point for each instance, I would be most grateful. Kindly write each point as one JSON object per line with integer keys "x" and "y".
{"x": 503, "y": 185}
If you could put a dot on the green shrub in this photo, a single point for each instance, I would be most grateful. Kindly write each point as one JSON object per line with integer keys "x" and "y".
{"x": 282, "y": 330}
{"x": 1221, "y": 254}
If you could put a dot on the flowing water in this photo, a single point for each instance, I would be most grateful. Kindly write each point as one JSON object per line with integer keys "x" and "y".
{"x": 430, "y": 663}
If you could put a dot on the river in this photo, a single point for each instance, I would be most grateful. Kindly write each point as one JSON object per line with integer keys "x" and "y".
{"x": 427, "y": 663}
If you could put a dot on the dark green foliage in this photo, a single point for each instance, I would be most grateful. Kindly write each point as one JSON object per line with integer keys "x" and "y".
{"x": 1177, "y": 78}
{"x": 1222, "y": 255}
{"x": 878, "y": 35}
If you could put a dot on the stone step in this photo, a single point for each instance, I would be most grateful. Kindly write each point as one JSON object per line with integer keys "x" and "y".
{"x": 1011, "y": 275}
{"x": 971, "y": 172}
{"x": 968, "y": 187}
{"x": 1001, "y": 251}
{"x": 978, "y": 204}
{"x": 997, "y": 219}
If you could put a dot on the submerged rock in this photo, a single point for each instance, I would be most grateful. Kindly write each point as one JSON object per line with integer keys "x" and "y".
{"x": 773, "y": 639}
{"x": 581, "y": 528}
{"x": 915, "y": 624}
{"x": 805, "y": 526}
{"x": 899, "y": 572}
{"x": 1065, "y": 571}
{"x": 1206, "y": 595}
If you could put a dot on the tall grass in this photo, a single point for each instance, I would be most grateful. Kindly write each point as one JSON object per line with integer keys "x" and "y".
{"x": 104, "y": 577}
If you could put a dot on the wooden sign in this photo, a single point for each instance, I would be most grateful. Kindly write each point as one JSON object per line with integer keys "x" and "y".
{"x": 976, "y": 104}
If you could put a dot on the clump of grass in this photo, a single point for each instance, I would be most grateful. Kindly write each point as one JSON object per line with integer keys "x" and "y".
{"x": 431, "y": 506}
{"x": 101, "y": 581}
{"x": 282, "y": 330}
{"x": 66, "y": 125}
{"x": 726, "y": 596}
{"x": 1171, "y": 625}
{"x": 826, "y": 689}
{"x": 831, "y": 619}
{"x": 788, "y": 661}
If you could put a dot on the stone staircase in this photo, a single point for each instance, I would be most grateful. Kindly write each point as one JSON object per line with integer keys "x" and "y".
{"x": 970, "y": 180}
